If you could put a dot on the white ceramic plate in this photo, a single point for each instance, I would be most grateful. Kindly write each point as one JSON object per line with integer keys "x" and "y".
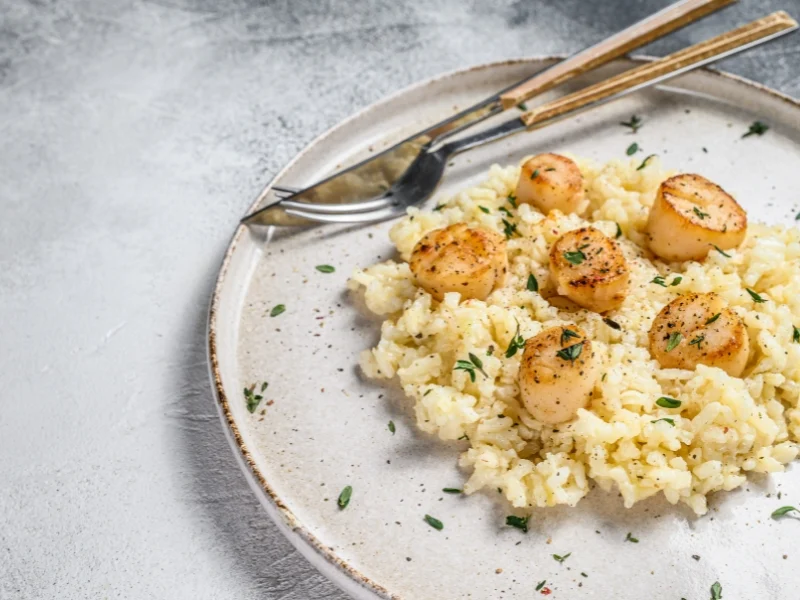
{"x": 324, "y": 427}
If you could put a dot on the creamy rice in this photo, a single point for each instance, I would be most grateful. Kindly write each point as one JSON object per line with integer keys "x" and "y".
{"x": 725, "y": 426}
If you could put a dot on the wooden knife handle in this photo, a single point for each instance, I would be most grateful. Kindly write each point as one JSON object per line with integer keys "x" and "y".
{"x": 663, "y": 22}
{"x": 679, "y": 61}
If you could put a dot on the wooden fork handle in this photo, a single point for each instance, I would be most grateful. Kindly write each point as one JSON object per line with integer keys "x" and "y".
{"x": 666, "y": 21}
{"x": 679, "y": 61}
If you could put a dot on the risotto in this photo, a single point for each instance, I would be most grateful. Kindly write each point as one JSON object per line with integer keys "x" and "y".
{"x": 724, "y": 426}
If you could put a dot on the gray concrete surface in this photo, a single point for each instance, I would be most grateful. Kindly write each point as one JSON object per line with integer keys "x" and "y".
{"x": 132, "y": 136}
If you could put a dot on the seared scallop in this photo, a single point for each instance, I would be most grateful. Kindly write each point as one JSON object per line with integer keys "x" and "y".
{"x": 588, "y": 267}
{"x": 552, "y": 182}
{"x": 469, "y": 260}
{"x": 699, "y": 329}
{"x": 690, "y": 216}
{"x": 557, "y": 373}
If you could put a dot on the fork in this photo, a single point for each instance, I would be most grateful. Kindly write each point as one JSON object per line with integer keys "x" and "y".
{"x": 420, "y": 180}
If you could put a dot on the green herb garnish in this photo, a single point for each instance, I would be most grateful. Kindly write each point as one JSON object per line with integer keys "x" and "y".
{"x": 509, "y": 229}
{"x": 452, "y": 491}
{"x": 512, "y": 200}
{"x": 484, "y": 209}
{"x": 644, "y": 162}
{"x": 571, "y": 353}
{"x": 532, "y": 285}
{"x": 566, "y": 334}
{"x": 667, "y": 402}
{"x": 756, "y": 298}
{"x": 795, "y": 334}
{"x": 632, "y": 149}
{"x": 716, "y": 591}
{"x": 325, "y": 268}
{"x": 756, "y": 128}
{"x": 700, "y": 214}
{"x": 518, "y": 522}
{"x": 392, "y": 427}
{"x": 674, "y": 340}
{"x": 505, "y": 211}
{"x": 561, "y": 559}
{"x": 698, "y": 340}
{"x": 668, "y": 420}
{"x": 522, "y": 106}
{"x": 576, "y": 257}
{"x": 540, "y": 585}
{"x": 517, "y": 343}
{"x": 712, "y": 319}
{"x": 535, "y": 174}
{"x": 277, "y": 309}
{"x": 344, "y": 497}
{"x": 721, "y": 251}
{"x": 252, "y": 399}
{"x": 777, "y": 514}
{"x": 438, "y": 207}
{"x": 634, "y": 124}
{"x": 264, "y": 386}
{"x": 619, "y": 231}
{"x": 434, "y": 522}
{"x": 630, "y": 538}
{"x": 470, "y": 365}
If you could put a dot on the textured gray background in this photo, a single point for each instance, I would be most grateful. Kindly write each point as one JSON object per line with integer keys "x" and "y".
{"x": 132, "y": 137}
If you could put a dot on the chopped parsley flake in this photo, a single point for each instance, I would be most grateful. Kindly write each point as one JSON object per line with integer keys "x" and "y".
{"x": 252, "y": 399}
{"x": 783, "y": 510}
{"x": 634, "y": 124}
{"x": 756, "y": 128}
{"x": 756, "y": 298}
{"x": 344, "y": 497}
{"x": 721, "y": 251}
{"x": 668, "y": 420}
{"x": 712, "y": 319}
{"x": 325, "y": 268}
{"x": 571, "y": 353}
{"x": 510, "y": 229}
{"x": 484, "y": 209}
{"x": 674, "y": 340}
{"x": 561, "y": 559}
{"x": 532, "y": 285}
{"x": 630, "y": 538}
{"x": 566, "y": 334}
{"x": 277, "y": 309}
{"x": 535, "y": 174}
{"x": 644, "y": 162}
{"x": 452, "y": 491}
{"x": 795, "y": 334}
{"x": 439, "y": 207}
{"x": 512, "y": 200}
{"x": 716, "y": 591}
{"x": 619, "y": 231}
{"x": 392, "y": 427}
{"x": 540, "y": 585}
{"x": 659, "y": 280}
{"x": 576, "y": 257}
{"x": 434, "y": 522}
{"x": 505, "y": 211}
{"x": 667, "y": 402}
{"x": 518, "y": 522}
{"x": 522, "y": 106}
{"x": 700, "y": 214}
{"x": 698, "y": 340}
{"x": 632, "y": 149}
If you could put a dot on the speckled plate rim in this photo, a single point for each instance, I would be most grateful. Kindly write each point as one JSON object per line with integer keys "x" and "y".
{"x": 322, "y": 557}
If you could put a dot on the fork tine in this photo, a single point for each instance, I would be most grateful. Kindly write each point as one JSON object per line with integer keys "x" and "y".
{"x": 341, "y": 209}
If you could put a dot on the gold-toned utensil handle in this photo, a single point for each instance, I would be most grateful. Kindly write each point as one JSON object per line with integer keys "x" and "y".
{"x": 671, "y": 18}
{"x": 679, "y": 61}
